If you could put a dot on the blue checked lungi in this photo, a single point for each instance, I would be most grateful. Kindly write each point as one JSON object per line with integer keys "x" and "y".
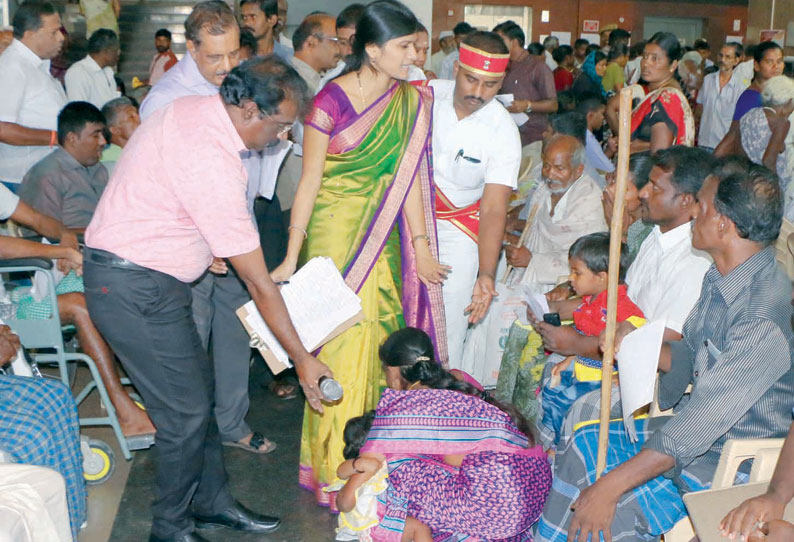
{"x": 641, "y": 514}
{"x": 39, "y": 426}
{"x": 557, "y": 401}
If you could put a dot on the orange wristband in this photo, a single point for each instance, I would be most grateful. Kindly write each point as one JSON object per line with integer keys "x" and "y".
{"x": 53, "y": 138}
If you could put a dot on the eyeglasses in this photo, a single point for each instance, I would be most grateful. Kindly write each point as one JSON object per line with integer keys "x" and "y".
{"x": 281, "y": 127}
{"x": 329, "y": 38}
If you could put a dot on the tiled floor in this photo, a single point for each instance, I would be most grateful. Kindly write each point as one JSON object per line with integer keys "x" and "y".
{"x": 119, "y": 509}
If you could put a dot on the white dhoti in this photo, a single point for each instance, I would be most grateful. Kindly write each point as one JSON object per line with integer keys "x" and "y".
{"x": 33, "y": 505}
{"x": 459, "y": 251}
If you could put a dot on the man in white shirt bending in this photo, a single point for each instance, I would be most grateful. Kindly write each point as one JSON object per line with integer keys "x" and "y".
{"x": 91, "y": 79}
{"x": 476, "y": 157}
{"x": 31, "y": 97}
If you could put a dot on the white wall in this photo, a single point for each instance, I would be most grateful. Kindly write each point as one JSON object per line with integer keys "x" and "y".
{"x": 298, "y": 9}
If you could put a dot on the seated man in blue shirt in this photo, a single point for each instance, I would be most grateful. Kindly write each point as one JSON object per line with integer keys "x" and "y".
{"x": 735, "y": 352}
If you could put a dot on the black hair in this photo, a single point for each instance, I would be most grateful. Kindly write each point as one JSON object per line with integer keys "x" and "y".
{"x": 594, "y": 47}
{"x": 689, "y": 165}
{"x": 381, "y": 21}
{"x": 535, "y": 48}
{"x": 616, "y": 51}
{"x": 101, "y": 40}
{"x": 355, "y": 434}
{"x": 668, "y": 42}
{"x": 561, "y": 52}
{"x": 566, "y": 101}
{"x": 111, "y": 109}
{"x": 28, "y": 17}
{"x": 701, "y": 45}
{"x": 310, "y": 26}
{"x": 731, "y": 165}
{"x": 487, "y": 41}
{"x": 738, "y": 50}
{"x": 266, "y": 81}
{"x": 432, "y": 375}
{"x": 73, "y": 118}
{"x": 421, "y": 28}
{"x": 587, "y": 102}
{"x": 640, "y": 165}
{"x": 570, "y": 123}
{"x": 759, "y": 52}
{"x": 349, "y": 16}
{"x": 618, "y": 35}
{"x": 405, "y": 347}
{"x": 754, "y": 203}
{"x": 247, "y": 39}
{"x": 511, "y": 30}
{"x": 163, "y": 33}
{"x": 637, "y": 49}
{"x": 599, "y": 56}
{"x": 462, "y": 29}
{"x": 593, "y": 251}
{"x": 214, "y": 16}
{"x": 268, "y": 7}
{"x": 579, "y": 42}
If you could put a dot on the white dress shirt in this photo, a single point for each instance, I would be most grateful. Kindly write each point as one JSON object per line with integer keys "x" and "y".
{"x": 718, "y": 106}
{"x": 448, "y": 65}
{"x": 30, "y": 97}
{"x": 550, "y": 62}
{"x": 86, "y": 81}
{"x": 665, "y": 278}
{"x": 481, "y": 148}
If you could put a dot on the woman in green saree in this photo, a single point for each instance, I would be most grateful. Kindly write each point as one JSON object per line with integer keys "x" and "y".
{"x": 365, "y": 200}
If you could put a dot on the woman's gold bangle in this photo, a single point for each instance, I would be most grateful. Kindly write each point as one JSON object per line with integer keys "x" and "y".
{"x": 418, "y": 237}
{"x": 305, "y": 235}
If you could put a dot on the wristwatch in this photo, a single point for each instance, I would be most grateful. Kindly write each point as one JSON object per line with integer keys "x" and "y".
{"x": 529, "y": 107}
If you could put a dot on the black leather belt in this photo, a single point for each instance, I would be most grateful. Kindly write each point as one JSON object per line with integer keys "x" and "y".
{"x": 103, "y": 257}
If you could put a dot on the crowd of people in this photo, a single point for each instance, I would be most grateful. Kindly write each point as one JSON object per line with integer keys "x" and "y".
{"x": 448, "y": 189}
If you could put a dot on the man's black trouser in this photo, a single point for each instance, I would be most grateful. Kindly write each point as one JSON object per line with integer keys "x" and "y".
{"x": 145, "y": 317}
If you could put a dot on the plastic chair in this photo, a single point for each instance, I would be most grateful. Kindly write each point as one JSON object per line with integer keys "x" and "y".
{"x": 763, "y": 453}
{"x": 47, "y": 334}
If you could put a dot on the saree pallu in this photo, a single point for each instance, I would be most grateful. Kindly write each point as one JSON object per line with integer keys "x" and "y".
{"x": 358, "y": 221}
{"x": 668, "y": 105}
{"x": 497, "y": 493}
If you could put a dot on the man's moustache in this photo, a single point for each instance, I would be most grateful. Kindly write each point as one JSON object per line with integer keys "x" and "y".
{"x": 474, "y": 98}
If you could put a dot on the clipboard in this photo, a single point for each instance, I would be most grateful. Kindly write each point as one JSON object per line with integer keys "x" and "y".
{"x": 275, "y": 365}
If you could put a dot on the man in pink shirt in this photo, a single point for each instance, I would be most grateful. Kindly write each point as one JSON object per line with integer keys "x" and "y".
{"x": 176, "y": 203}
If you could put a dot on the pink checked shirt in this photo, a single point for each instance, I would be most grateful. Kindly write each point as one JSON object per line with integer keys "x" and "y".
{"x": 177, "y": 196}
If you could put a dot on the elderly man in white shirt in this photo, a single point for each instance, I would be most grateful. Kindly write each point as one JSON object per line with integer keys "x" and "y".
{"x": 476, "y": 157}
{"x": 446, "y": 43}
{"x": 566, "y": 206}
{"x": 31, "y": 97}
{"x": 91, "y": 79}
{"x": 460, "y": 32}
{"x": 718, "y": 96}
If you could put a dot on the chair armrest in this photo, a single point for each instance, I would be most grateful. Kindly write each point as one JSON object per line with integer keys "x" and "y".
{"x": 734, "y": 453}
{"x": 26, "y": 262}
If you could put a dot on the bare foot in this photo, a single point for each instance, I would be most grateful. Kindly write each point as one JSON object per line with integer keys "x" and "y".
{"x": 136, "y": 422}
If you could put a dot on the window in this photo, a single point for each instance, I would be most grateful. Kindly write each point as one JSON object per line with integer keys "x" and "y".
{"x": 487, "y": 16}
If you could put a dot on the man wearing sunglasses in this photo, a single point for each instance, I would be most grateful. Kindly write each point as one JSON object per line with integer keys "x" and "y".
{"x": 215, "y": 298}
{"x": 175, "y": 203}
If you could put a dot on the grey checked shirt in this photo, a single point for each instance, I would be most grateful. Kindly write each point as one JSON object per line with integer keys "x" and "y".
{"x": 737, "y": 354}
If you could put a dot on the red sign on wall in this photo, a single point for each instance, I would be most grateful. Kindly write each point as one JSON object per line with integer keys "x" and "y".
{"x": 590, "y": 26}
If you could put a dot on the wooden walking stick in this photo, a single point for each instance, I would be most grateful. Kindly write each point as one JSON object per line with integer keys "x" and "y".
{"x": 522, "y": 239}
{"x": 615, "y": 237}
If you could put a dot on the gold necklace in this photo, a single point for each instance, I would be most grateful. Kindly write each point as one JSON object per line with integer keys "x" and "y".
{"x": 361, "y": 89}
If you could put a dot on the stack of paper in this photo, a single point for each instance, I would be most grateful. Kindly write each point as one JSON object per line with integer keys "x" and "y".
{"x": 507, "y": 100}
{"x": 638, "y": 360}
{"x": 319, "y": 303}
{"x": 536, "y": 302}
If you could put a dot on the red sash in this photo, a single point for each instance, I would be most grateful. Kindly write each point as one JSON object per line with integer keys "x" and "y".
{"x": 466, "y": 219}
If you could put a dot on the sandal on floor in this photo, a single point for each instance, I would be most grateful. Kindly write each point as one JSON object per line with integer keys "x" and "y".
{"x": 283, "y": 389}
{"x": 254, "y": 445}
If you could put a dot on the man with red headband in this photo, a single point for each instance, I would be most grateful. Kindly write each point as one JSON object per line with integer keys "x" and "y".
{"x": 476, "y": 157}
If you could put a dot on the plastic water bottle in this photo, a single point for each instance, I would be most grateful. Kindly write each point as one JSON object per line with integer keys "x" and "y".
{"x": 331, "y": 389}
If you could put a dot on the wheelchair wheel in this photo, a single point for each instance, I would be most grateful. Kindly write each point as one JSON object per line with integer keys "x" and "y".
{"x": 99, "y": 462}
